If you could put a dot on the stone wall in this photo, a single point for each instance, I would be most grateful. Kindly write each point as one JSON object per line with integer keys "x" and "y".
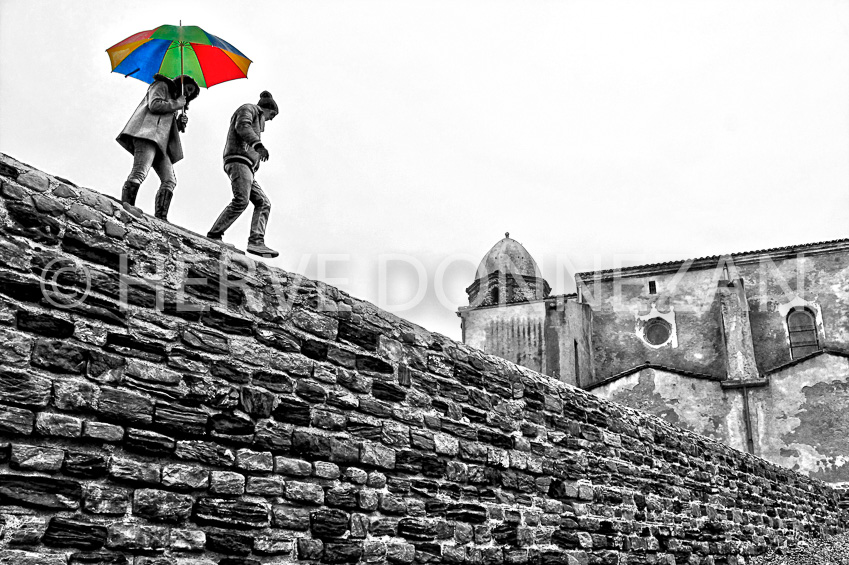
{"x": 165, "y": 400}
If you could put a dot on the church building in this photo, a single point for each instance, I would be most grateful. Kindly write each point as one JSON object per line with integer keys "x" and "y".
{"x": 750, "y": 348}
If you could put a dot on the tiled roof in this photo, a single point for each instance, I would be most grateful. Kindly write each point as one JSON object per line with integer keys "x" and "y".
{"x": 712, "y": 259}
{"x": 648, "y": 365}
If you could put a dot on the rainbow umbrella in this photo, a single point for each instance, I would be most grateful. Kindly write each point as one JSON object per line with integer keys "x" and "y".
{"x": 176, "y": 50}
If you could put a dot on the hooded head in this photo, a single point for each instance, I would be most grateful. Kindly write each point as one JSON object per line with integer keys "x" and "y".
{"x": 267, "y": 102}
{"x": 175, "y": 88}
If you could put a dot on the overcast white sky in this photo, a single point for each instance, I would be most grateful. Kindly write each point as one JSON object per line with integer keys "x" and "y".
{"x": 596, "y": 132}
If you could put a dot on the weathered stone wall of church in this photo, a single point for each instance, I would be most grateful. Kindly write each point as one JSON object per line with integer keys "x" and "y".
{"x": 516, "y": 333}
{"x": 807, "y": 276}
{"x": 699, "y": 405}
{"x": 166, "y": 401}
{"x": 802, "y": 418}
{"x": 617, "y": 301}
{"x": 549, "y": 336}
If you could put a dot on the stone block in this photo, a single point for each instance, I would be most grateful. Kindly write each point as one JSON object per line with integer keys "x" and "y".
{"x": 24, "y": 389}
{"x": 254, "y": 461}
{"x": 292, "y": 411}
{"x": 309, "y": 549}
{"x": 137, "y": 538}
{"x": 257, "y": 402}
{"x": 205, "y": 340}
{"x": 324, "y": 470}
{"x": 149, "y": 443}
{"x": 328, "y": 420}
{"x": 376, "y": 455}
{"x": 58, "y": 425}
{"x": 129, "y": 470}
{"x": 15, "y": 347}
{"x": 185, "y": 477}
{"x": 273, "y": 543}
{"x": 226, "y": 483}
{"x": 400, "y": 553}
{"x": 44, "y": 324}
{"x": 63, "y": 532}
{"x": 16, "y": 420}
{"x": 187, "y": 540}
{"x": 307, "y": 493}
{"x": 18, "y": 557}
{"x": 103, "y": 431}
{"x": 180, "y": 420}
{"x": 99, "y": 558}
{"x": 25, "y": 530}
{"x": 59, "y": 356}
{"x": 162, "y": 506}
{"x": 239, "y": 514}
{"x": 34, "y": 458}
{"x": 229, "y": 543}
{"x": 342, "y": 551}
{"x": 291, "y": 517}
{"x": 105, "y": 368}
{"x": 292, "y": 467}
{"x": 328, "y": 523}
{"x": 73, "y": 395}
{"x": 273, "y": 436}
{"x": 106, "y": 499}
{"x": 311, "y": 391}
{"x": 40, "y": 492}
{"x": 266, "y": 486}
{"x": 82, "y": 464}
{"x": 315, "y": 323}
{"x": 125, "y": 407}
{"x": 205, "y": 452}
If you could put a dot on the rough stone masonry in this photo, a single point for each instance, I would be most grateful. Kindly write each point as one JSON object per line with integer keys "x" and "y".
{"x": 164, "y": 400}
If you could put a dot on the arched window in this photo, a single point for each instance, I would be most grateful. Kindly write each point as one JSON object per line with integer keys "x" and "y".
{"x": 802, "y": 326}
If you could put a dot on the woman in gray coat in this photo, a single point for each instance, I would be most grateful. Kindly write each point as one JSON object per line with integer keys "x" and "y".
{"x": 153, "y": 137}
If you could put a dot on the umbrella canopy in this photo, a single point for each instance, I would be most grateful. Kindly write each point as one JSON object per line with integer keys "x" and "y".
{"x": 174, "y": 50}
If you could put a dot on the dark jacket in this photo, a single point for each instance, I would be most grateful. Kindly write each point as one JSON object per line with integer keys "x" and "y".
{"x": 155, "y": 119}
{"x": 243, "y": 137}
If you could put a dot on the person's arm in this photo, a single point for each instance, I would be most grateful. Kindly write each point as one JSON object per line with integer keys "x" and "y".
{"x": 245, "y": 126}
{"x": 159, "y": 102}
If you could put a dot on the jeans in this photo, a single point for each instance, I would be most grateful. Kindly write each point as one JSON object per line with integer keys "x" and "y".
{"x": 145, "y": 154}
{"x": 245, "y": 189}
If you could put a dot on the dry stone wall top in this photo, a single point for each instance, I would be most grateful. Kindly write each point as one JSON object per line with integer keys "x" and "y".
{"x": 164, "y": 400}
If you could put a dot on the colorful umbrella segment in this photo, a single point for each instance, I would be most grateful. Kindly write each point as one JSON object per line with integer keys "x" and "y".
{"x": 175, "y": 50}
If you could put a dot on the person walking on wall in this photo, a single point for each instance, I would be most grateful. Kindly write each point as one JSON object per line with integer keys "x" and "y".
{"x": 243, "y": 153}
{"x": 152, "y": 136}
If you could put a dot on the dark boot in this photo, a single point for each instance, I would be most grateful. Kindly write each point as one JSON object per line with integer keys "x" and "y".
{"x": 129, "y": 192}
{"x": 162, "y": 203}
{"x": 260, "y": 248}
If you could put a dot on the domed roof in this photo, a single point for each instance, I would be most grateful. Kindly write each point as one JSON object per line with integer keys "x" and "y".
{"x": 509, "y": 257}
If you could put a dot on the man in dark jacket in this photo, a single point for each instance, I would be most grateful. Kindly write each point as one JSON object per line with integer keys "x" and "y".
{"x": 152, "y": 136}
{"x": 242, "y": 155}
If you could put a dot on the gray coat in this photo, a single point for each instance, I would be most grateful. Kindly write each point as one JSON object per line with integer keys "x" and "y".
{"x": 246, "y": 125}
{"x": 155, "y": 120}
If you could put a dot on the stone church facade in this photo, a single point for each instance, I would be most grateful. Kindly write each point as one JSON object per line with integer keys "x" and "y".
{"x": 750, "y": 348}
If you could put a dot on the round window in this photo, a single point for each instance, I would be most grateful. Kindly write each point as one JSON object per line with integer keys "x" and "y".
{"x": 657, "y": 331}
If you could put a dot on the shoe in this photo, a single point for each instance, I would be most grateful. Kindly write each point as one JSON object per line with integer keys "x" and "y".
{"x": 261, "y": 249}
{"x": 129, "y": 192}
{"x": 162, "y": 203}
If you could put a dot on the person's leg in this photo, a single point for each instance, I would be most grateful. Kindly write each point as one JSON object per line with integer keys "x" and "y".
{"x": 167, "y": 183}
{"x": 262, "y": 208}
{"x": 241, "y": 178}
{"x": 144, "y": 152}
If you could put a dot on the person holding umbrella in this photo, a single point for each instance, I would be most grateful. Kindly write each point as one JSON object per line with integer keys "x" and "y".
{"x": 243, "y": 153}
{"x": 152, "y": 136}
{"x": 198, "y": 59}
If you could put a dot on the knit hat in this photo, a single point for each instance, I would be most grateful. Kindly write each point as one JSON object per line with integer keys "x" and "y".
{"x": 266, "y": 101}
